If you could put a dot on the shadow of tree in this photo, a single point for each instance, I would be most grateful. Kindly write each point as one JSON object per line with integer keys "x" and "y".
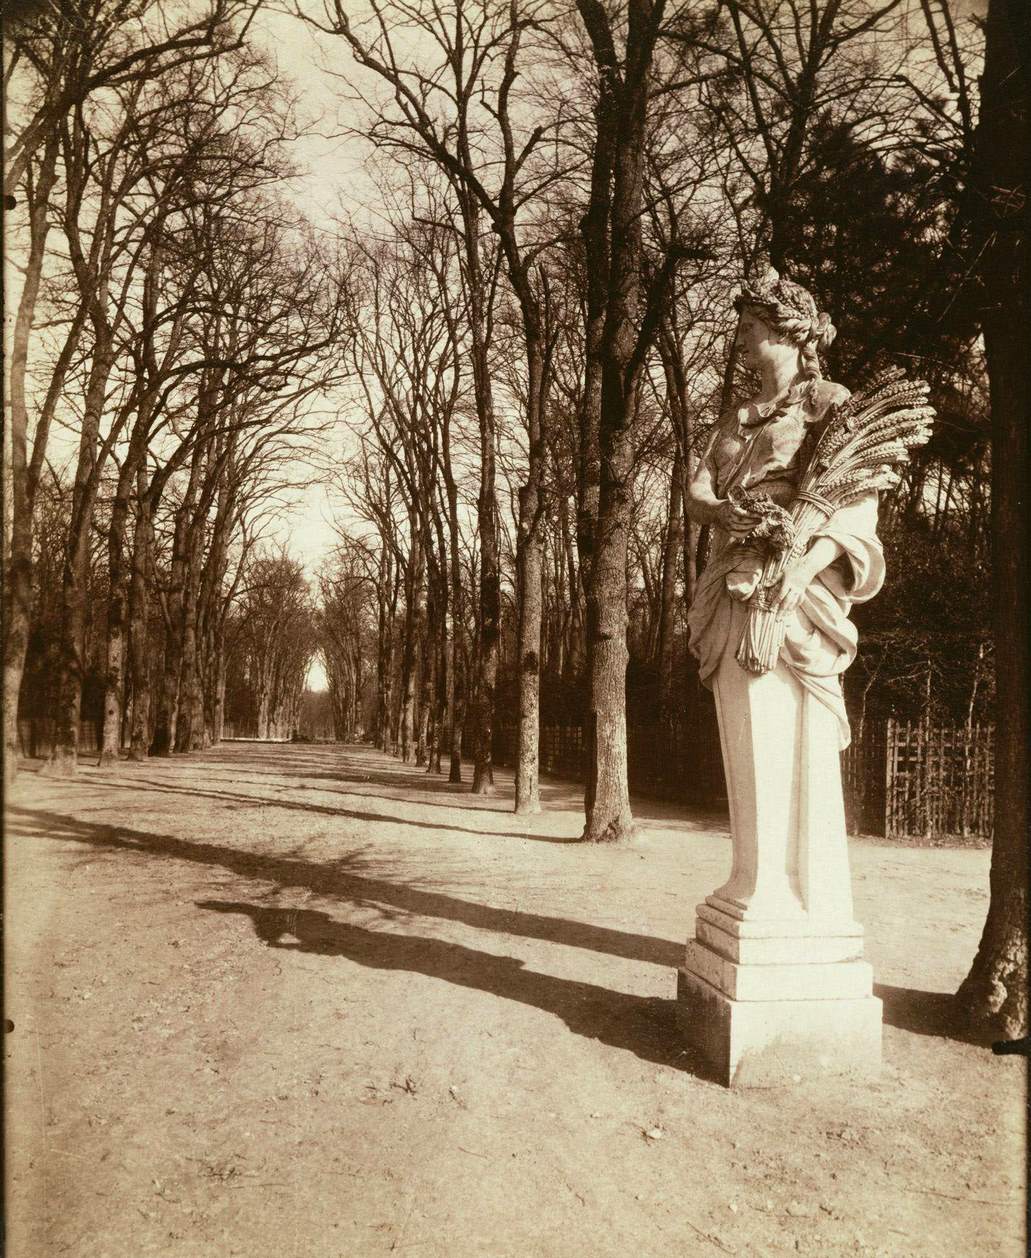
{"x": 243, "y": 800}
{"x": 338, "y": 878}
{"x": 926, "y": 1013}
{"x": 366, "y": 766}
{"x": 642, "y": 1025}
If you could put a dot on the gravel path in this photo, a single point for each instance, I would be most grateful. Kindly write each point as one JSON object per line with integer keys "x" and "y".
{"x": 303, "y": 1001}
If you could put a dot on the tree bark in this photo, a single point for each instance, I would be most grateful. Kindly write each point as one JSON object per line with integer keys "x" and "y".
{"x": 18, "y": 577}
{"x": 611, "y": 231}
{"x": 671, "y": 551}
{"x": 993, "y": 997}
{"x": 118, "y": 583}
{"x": 530, "y": 571}
{"x": 139, "y": 621}
{"x": 167, "y": 714}
{"x": 71, "y": 663}
{"x": 489, "y": 624}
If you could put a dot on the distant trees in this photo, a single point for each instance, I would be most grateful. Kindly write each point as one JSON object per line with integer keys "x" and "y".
{"x": 180, "y": 321}
{"x": 273, "y": 639}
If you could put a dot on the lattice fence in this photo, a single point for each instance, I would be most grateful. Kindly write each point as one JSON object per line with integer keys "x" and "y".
{"x": 900, "y": 780}
{"x": 939, "y": 780}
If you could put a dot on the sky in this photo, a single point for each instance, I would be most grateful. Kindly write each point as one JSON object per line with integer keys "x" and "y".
{"x": 334, "y": 180}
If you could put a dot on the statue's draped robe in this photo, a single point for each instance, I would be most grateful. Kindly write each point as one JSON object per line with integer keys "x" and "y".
{"x": 782, "y": 732}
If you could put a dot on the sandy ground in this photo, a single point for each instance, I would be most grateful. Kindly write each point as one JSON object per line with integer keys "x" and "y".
{"x": 301, "y": 1002}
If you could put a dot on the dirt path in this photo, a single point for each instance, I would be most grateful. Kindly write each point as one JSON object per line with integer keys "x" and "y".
{"x": 300, "y": 1002}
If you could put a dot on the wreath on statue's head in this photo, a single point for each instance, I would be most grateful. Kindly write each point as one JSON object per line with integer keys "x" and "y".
{"x": 790, "y": 308}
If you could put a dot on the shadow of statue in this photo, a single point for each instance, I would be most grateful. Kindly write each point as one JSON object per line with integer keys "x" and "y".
{"x": 642, "y": 1025}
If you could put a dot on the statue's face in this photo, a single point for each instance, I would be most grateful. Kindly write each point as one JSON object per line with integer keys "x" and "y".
{"x": 755, "y": 340}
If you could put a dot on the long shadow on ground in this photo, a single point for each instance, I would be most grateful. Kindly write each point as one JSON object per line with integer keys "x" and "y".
{"x": 362, "y": 770}
{"x": 261, "y": 801}
{"x": 337, "y": 878}
{"x": 642, "y": 1025}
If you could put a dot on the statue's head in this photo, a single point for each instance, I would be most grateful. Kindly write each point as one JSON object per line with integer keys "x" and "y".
{"x": 790, "y": 311}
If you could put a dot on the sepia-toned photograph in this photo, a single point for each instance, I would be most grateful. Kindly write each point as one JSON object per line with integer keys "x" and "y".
{"x": 515, "y": 628}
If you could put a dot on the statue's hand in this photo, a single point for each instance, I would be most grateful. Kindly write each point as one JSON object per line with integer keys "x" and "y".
{"x": 735, "y": 520}
{"x": 793, "y": 585}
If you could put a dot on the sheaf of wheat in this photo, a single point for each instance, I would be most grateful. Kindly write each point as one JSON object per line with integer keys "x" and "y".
{"x": 864, "y": 444}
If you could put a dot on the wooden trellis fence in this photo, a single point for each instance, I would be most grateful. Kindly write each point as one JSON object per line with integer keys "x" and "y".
{"x": 939, "y": 780}
{"x": 900, "y": 779}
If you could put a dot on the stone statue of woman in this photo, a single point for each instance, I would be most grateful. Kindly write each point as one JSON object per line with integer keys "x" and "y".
{"x": 764, "y": 939}
{"x": 784, "y": 729}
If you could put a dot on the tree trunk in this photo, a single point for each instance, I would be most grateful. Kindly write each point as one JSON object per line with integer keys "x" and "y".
{"x": 425, "y": 688}
{"x": 611, "y": 231}
{"x": 189, "y": 722}
{"x": 409, "y": 659}
{"x": 71, "y": 666}
{"x": 139, "y": 622}
{"x": 218, "y": 722}
{"x": 167, "y": 713}
{"x": 18, "y": 576}
{"x": 489, "y": 621}
{"x": 993, "y": 996}
{"x": 671, "y": 551}
{"x": 529, "y": 571}
{"x": 384, "y": 650}
{"x": 607, "y": 798}
{"x": 456, "y": 680}
{"x": 118, "y": 581}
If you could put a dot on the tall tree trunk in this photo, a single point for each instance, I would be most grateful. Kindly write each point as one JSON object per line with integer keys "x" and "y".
{"x": 425, "y": 688}
{"x": 489, "y": 619}
{"x": 444, "y": 687}
{"x": 18, "y": 575}
{"x": 607, "y": 798}
{"x": 118, "y": 583}
{"x": 456, "y": 680}
{"x": 671, "y": 552}
{"x": 71, "y": 666}
{"x": 529, "y": 573}
{"x": 994, "y": 994}
{"x": 409, "y": 655}
{"x": 529, "y": 577}
{"x": 167, "y": 714}
{"x": 191, "y": 698}
{"x": 611, "y": 231}
{"x": 384, "y": 650}
{"x": 218, "y": 720}
{"x": 139, "y": 621}
{"x": 573, "y": 650}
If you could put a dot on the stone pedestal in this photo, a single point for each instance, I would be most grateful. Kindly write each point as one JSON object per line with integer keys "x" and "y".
{"x": 774, "y": 986}
{"x": 768, "y": 1001}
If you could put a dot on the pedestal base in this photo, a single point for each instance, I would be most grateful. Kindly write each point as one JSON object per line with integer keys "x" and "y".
{"x": 766, "y": 1000}
{"x": 759, "y": 1043}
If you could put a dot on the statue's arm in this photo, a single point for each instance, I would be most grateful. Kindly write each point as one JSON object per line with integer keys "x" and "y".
{"x": 705, "y": 506}
{"x": 801, "y": 574}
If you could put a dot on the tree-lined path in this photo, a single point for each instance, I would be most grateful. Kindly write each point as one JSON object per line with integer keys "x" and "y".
{"x": 305, "y": 1000}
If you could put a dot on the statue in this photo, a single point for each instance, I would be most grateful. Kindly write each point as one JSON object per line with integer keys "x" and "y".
{"x": 789, "y": 487}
